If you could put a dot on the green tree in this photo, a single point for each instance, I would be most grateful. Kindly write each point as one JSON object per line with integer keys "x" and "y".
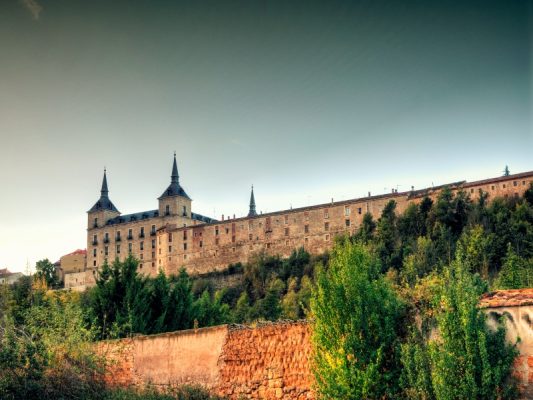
{"x": 462, "y": 346}
{"x": 367, "y": 230}
{"x": 120, "y": 301}
{"x": 46, "y": 271}
{"x": 516, "y": 272}
{"x": 387, "y": 237}
{"x": 356, "y": 322}
{"x": 241, "y": 313}
{"x": 290, "y": 303}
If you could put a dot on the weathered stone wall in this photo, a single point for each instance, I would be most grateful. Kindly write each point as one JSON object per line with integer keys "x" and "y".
{"x": 272, "y": 360}
{"x": 267, "y": 362}
{"x": 516, "y": 309}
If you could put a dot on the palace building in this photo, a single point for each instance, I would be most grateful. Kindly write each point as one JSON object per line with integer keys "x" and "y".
{"x": 172, "y": 236}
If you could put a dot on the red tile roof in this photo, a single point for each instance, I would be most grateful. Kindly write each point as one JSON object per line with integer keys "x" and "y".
{"x": 79, "y": 251}
{"x": 507, "y": 298}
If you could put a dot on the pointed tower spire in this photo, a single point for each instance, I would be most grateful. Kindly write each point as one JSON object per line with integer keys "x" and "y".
{"x": 252, "y": 212}
{"x": 174, "y": 189}
{"x": 174, "y": 178}
{"x": 104, "y": 203}
{"x": 104, "y": 191}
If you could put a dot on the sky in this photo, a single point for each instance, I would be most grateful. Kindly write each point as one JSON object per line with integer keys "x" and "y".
{"x": 305, "y": 100}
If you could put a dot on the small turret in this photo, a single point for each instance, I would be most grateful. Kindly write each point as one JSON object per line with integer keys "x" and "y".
{"x": 252, "y": 212}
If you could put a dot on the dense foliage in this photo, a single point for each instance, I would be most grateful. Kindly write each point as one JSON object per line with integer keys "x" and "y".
{"x": 357, "y": 326}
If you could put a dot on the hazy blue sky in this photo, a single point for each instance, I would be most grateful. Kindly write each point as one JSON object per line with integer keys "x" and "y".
{"x": 307, "y": 101}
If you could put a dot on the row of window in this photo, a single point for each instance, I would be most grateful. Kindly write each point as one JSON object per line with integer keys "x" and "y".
{"x": 493, "y": 187}
{"x": 118, "y": 237}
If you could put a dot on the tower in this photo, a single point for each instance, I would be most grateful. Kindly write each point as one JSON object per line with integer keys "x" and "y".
{"x": 174, "y": 201}
{"x": 252, "y": 212}
{"x": 103, "y": 209}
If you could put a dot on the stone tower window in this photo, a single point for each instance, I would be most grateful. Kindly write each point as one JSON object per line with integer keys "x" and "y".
{"x": 184, "y": 211}
{"x": 347, "y": 211}
{"x": 167, "y": 210}
{"x": 96, "y": 223}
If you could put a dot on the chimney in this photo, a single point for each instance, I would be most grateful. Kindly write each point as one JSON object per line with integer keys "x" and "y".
{"x": 222, "y": 217}
{"x": 368, "y": 194}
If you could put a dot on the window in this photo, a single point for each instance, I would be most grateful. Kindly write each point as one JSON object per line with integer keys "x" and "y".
{"x": 153, "y": 254}
{"x": 94, "y": 263}
{"x": 184, "y": 211}
{"x": 326, "y": 214}
{"x": 347, "y": 211}
{"x": 233, "y": 249}
{"x": 347, "y": 222}
{"x": 130, "y": 234}
{"x": 94, "y": 252}
{"x": 286, "y": 219}
{"x": 141, "y": 256}
{"x": 170, "y": 249}
{"x": 118, "y": 236}
{"x": 141, "y": 246}
{"x": 250, "y": 236}
{"x": 95, "y": 240}
{"x": 504, "y": 185}
{"x": 184, "y": 235}
{"x": 286, "y": 242}
{"x": 326, "y": 226}
{"x": 306, "y": 215}
{"x": 515, "y": 183}
{"x": 167, "y": 210}
{"x": 129, "y": 247}
{"x": 159, "y": 251}
{"x": 184, "y": 246}
{"x": 359, "y": 211}
{"x": 472, "y": 190}
{"x": 153, "y": 243}
{"x": 142, "y": 232}
{"x": 523, "y": 183}
{"x": 96, "y": 222}
{"x": 170, "y": 237}
{"x": 106, "y": 250}
{"x": 306, "y": 229}
{"x": 286, "y": 231}
{"x": 227, "y": 231}
{"x": 185, "y": 256}
{"x": 216, "y": 231}
{"x": 118, "y": 248}
{"x": 233, "y": 239}
{"x": 492, "y": 187}
{"x": 152, "y": 231}
{"x": 201, "y": 243}
{"x": 106, "y": 237}
{"x": 216, "y": 241}
{"x": 140, "y": 265}
{"x": 327, "y": 237}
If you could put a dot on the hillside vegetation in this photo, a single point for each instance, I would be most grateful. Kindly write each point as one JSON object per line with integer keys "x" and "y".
{"x": 393, "y": 308}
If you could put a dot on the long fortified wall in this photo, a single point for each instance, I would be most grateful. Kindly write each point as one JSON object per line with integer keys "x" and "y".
{"x": 272, "y": 360}
{"x": 213, "y": 246}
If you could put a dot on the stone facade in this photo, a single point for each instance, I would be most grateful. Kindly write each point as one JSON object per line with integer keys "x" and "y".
{"x": 203, "y": 248}
{"x": 172, "y": 236}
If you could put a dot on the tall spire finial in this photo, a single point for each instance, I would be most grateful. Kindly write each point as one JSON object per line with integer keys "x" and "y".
{"x": 104, "y": 191}
{"x": 252, "y": 212}
{"x": 174, "y": 177}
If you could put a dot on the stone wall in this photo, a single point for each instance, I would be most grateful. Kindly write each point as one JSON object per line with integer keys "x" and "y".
{"x": 267, "y": 362}
{"x": 272, "y": 360}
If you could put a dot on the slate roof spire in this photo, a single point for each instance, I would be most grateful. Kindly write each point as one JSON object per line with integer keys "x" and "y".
{"x": 252, "y": 212}
{"x": 174, "y": 188}
{"x": 104, "y": 191}
{"x": 104, "y": 203}
{"x": 174, "y": 178}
